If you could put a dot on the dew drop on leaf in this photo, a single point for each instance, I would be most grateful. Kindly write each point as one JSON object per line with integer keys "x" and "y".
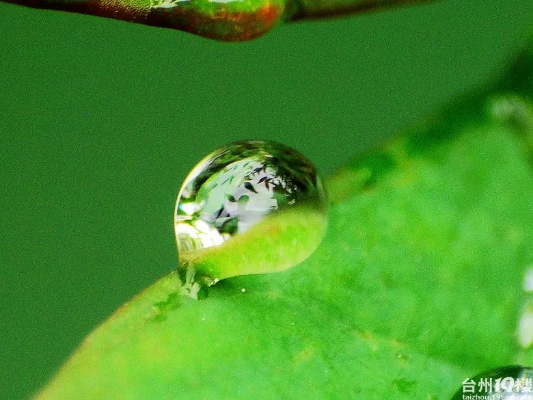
{"x": 505, "y": 383}
{"x": 250, "y": 207}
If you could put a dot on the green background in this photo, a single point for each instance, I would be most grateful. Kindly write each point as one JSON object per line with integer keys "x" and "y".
{"x": 101, "y": 120}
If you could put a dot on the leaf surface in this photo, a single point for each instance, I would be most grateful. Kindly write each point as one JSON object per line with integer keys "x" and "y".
{"x": 417, "y": 284}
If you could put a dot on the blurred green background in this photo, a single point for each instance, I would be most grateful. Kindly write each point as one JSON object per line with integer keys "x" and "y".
{"x": 101, "y": 120}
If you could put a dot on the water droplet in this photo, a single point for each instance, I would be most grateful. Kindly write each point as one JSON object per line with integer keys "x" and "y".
{"x": 505, "y": 383}
{"x": 402, "y": 356}
{"x": 525, "y": 325}
{"x": 248, "y": 208}
{"x": 528, "y": 280}
{"x": 525, "y": 319}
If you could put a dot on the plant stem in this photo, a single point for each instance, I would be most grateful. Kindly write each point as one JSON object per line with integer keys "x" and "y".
{"x": 331, "y": 8}
{"x": 232, "y": 20}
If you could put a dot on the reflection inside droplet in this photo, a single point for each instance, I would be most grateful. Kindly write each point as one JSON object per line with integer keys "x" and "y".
{"x": 250, "y": 207}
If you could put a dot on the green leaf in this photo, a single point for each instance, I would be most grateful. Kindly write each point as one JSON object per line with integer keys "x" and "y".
{"x": 417, "y": 284}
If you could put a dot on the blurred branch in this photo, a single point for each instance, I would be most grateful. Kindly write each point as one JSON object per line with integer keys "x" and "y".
{"x": 333, "y": 8}
{"x": 228, "y": 20}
